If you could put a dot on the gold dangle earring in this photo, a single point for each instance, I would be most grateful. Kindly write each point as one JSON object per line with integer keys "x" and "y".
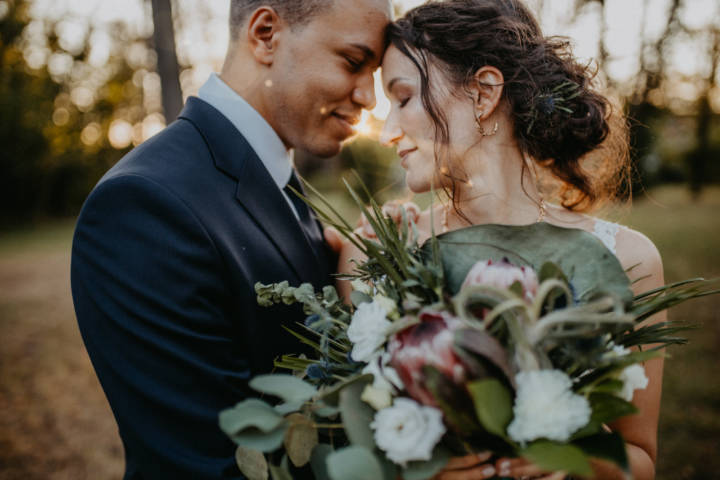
{"x": 482, "y": 130}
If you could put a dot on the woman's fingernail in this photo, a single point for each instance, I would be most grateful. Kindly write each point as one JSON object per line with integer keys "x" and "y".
{"x": 482, "y": 456}
{"x": 504, "y": 468}
{"x": 488, "y": 472}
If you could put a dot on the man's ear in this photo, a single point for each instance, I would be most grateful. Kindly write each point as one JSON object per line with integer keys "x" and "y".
{"x": 486, "y": 88}
{"x": 263, "y": 31}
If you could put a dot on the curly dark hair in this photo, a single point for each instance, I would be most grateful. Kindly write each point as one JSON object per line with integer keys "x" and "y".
{"x": 560, "y": 120}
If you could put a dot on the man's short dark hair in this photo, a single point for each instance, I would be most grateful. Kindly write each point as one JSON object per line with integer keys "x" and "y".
{"x": 294, "y": 12}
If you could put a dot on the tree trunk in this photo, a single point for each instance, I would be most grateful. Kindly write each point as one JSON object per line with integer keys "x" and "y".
{"x": 167, "y": 63}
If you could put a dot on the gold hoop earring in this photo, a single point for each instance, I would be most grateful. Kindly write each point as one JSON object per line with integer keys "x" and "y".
{"x": 482, "y": 130}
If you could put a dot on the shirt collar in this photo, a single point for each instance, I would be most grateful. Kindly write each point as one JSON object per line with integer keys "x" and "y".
{"x": 256, "y": 130}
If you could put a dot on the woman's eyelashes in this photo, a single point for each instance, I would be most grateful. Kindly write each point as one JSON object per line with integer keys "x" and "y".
{"x": 403, "y": 102}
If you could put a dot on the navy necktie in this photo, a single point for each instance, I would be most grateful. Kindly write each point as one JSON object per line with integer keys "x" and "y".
{"x": 302, "y": 209}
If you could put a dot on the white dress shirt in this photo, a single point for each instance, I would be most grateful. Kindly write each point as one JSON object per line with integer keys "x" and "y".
{"x": 266, "y": 143}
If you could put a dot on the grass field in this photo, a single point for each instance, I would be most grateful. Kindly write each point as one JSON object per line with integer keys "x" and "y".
{"x": 55, "y": 422}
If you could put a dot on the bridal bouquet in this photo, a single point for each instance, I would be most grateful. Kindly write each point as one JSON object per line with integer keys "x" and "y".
{"x": 524, "y": 340}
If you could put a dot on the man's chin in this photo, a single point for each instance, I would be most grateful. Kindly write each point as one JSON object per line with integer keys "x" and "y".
{"x": 325, "y": 150}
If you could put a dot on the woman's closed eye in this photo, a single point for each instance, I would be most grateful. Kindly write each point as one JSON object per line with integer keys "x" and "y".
{"x": 403, "y": 102}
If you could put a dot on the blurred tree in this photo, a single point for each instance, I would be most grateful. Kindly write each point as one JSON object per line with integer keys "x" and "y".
{"x": 64, "y": 121}
{"x": 167, "y": 64}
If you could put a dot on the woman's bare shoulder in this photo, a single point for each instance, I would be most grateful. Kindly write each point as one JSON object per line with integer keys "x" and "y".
{"x": 636, "y": 251}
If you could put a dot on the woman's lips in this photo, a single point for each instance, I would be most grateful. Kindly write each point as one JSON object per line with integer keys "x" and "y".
{"x": 403, "y": 154}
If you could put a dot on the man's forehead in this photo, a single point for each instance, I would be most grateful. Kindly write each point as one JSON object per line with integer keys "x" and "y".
{"x": 359, "y": 24}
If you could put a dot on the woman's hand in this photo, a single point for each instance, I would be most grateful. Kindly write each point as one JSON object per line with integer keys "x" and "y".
{"x": 394, "y": 210}
{"x": 469, "y": 467}
{"x": 521, "y": 469}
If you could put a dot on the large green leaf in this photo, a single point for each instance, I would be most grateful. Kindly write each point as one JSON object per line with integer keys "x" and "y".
{"x": 589, "y": 266}
{"x": 354, "y": 463}
{"x": 493, "y": 405}
{"x": 552, "y": 457}
{"x": 288, "y": 387}
{"x": 608, "y": 446}
{"x": 357, "y": 415}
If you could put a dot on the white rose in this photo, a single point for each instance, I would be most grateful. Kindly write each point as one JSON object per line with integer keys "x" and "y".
{"x": 633, "y": 378}
{"x": 368, "y": 330}
{"x": 546, "y": 407}
{"x": 408, "y": 431}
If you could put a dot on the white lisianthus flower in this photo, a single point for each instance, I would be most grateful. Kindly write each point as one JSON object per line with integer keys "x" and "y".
{"x": 408, "y": 431}
{"x": 386, "y": 302}
{"x": 546, "y": 407}
{"x": 633, "y": 378}
{"x": 368, "y": 330}
{"x": 384, "y": 376}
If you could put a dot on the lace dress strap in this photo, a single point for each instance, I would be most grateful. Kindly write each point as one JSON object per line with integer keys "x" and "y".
{"x": 606, "y": 232}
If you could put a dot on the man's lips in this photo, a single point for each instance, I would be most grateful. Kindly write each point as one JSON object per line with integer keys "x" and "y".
{"x": 347, "y": 121}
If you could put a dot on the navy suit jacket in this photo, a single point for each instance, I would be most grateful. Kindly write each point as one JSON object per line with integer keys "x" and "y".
{"x": 166, "y": 253}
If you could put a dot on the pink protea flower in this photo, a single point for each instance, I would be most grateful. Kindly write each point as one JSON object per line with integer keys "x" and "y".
{"x": 502, "y": 275}
{"x": 430, "y": 343}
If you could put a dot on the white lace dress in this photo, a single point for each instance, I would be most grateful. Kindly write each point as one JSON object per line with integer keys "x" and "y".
{"x": 606, "y": 232}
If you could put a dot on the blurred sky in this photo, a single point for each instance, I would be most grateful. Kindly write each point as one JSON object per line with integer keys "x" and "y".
{"x": 202, "y": 34}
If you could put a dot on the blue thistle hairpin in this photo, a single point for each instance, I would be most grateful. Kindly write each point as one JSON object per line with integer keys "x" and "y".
{"x": 552, "y": 101}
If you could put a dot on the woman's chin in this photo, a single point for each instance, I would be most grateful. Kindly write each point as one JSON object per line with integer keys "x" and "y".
{"x": 417, "y": 185}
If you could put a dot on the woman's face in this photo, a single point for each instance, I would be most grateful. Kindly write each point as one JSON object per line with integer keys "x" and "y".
{"x": 410, "y": 127}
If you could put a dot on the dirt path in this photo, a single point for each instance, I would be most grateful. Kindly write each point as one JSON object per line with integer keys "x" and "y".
{"x": 55, "y": 422}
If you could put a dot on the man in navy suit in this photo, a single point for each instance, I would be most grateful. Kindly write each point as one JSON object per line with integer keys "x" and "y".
{"x": 172, "y": 240}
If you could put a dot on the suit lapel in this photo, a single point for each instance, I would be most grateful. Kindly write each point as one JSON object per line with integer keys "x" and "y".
{"x": 256, "y": 190}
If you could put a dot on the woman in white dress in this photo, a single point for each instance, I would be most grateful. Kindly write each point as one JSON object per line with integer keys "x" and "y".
{"x": 508, "y": 124}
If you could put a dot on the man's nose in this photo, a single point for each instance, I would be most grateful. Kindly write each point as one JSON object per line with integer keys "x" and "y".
{"x": 364, "y": 93}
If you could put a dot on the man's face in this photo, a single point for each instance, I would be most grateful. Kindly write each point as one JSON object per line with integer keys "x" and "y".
{"x": 321, "y": 77}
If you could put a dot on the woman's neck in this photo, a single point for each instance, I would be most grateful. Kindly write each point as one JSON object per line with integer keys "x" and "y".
{"x": 498, "y": 190}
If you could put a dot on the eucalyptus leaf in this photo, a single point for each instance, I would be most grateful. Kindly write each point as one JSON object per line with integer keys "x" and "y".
{"x": 279, "y": 473}
{"x": 590, "y": 267}
{"x": 552, "y": 457}
{"x": 318, "y": 461}
{"x": 428, "y": 469}
{"x": 354, "y": 463}
{"x": 326, "y": 411}
{"x": 300, "y": 439}
{"x": 250, "y": 413}
{"x": 252, "y": 463}
{"x": 357, "y": 297}
{"x": 288, "y": 387}
{"x": 261, "y": 441}
{"x": 357, "y": 415}
{"x": 493, "y": 405}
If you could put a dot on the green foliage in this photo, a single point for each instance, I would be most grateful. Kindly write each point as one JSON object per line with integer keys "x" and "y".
{"x": 493, "y": 405}
{"x": 553, "y": 457}
{"x": 255, "y": 425}
{"x": 48, "y": 169}
{"x": 356, "y": 414}
{"x": 291, "y": 389}
{"x": 354, "y": 463}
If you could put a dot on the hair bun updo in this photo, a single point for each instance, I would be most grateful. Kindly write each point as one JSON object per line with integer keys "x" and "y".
{"x": 558, "y": 116}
